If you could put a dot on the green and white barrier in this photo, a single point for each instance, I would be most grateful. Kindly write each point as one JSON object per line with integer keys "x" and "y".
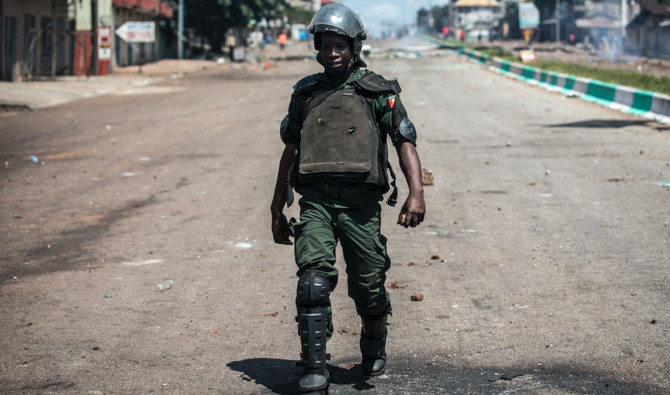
{"x": 650, "y": 105}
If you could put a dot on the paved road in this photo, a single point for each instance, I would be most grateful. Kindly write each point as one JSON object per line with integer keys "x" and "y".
{"x": 547, "y": 222}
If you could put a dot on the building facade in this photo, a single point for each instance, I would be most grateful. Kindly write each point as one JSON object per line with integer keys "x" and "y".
{"x": 112, "y": 50}
{"x": 35, "y": 39}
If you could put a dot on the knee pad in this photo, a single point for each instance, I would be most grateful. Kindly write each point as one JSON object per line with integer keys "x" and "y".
{"x": 377, "y": 312}
{"x": 313, "y": 290}
{"x": 374, "y": 319}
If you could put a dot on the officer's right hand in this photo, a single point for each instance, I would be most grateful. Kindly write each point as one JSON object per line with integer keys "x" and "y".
{"x": 280, "y": 229}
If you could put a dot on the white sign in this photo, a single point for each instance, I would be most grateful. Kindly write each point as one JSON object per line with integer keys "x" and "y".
{"x": 104, "y": 43}
{"x": 137, "y": 32}
{"x": 529, "y": 16}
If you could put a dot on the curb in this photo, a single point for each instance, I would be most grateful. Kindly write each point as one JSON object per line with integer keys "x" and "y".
{"x": 650, "y": 105}
{"x": 646, "y": 104}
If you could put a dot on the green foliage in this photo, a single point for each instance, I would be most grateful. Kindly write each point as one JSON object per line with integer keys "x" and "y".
{"x": 211, "y": 19}
{"x": 511, "y": 17}
{"x": 299, "y": 15}
{"x": 440, "y": 17}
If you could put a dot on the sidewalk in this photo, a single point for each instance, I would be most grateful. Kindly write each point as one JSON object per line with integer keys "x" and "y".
{"x": 33, "y": 95}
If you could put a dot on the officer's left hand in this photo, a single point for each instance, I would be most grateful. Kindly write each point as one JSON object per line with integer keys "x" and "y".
{"x": 412, "y": 211}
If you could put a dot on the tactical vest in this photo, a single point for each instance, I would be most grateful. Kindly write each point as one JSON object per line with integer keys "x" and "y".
{"x": 340, "y": 139}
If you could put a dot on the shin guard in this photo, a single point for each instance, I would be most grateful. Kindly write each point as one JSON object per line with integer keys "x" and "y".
{"x": 312, "y": 301}
{"x": 373, "y": 337}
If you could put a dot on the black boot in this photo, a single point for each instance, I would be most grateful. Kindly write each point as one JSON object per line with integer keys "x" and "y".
{"x": 374, "y": 355}
{"x": 373, "y": 337}
{"x": 312, "y": 302}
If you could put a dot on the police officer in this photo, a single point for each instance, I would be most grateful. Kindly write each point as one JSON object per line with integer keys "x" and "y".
{"x": 336, "y": 157}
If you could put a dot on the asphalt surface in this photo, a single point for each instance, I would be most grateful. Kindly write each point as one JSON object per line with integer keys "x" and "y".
{"x": 542, "y": 260}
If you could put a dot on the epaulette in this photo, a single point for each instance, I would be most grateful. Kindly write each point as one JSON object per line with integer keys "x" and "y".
{"x": 305, "y": 83}
{"x": 373, "y": 82}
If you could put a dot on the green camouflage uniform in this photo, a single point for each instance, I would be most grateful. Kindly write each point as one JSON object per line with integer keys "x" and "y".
{"x": 344, "y": 212}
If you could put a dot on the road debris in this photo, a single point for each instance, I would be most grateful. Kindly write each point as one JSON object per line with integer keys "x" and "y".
{"x": 426, "y": 176}
{"x": 164, "y": 286}
{"x": 417, "y": 297}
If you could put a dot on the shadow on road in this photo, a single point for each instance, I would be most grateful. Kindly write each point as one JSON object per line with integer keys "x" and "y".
{"x": 602, "y": 123}
{"x": 281, "y": 376}
{"x": 407, "y": 375}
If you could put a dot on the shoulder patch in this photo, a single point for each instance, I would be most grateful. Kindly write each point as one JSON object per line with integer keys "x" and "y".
{"x": 373, "y": 82}
{"x": 305, "y": 83}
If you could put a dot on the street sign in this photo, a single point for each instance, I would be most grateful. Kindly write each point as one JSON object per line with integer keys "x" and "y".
{"x": 104, "y": 43}
{"x": 137, "y": 32}
{"x": 529, "y": 16}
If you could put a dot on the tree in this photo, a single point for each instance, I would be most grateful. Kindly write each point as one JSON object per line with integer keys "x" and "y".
{"x": 440, "y": 16}
{"x": 511, "y": 17}
{"x": 211, "y": 19}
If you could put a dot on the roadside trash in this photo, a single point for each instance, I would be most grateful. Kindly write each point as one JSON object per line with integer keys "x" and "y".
{"x": 164, "y": 286}
{"x": 108, "y": 296}
{"x": 34, "y": 159}
{"x": 426, "y": 176}
{"x": 243, "y": 245}
{"x": 145, "y": 159}
{"x": 665, "y": 184}
{"x": 417, "y": 297}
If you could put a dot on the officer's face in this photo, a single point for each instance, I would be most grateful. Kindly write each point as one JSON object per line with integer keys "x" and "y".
{"x": 335, "y": 53}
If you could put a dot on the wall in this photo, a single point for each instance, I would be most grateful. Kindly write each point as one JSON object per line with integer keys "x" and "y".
{"x": 26, "y": 39}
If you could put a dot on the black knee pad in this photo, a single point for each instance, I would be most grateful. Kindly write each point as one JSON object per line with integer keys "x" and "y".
{"x": 313, "y": 290}
{"x": 376, "y": 312}
{"x": 374, "y": 319}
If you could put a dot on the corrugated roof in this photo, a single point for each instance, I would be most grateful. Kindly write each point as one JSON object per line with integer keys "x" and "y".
{"x": 656, "y": 9}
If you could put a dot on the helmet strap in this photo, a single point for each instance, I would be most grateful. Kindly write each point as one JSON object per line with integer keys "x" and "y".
{"x": 352, "y": 62}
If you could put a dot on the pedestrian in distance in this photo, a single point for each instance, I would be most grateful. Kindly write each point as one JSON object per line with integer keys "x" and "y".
{"x": 336, "y": 158}
{"x": 282, "y": 40}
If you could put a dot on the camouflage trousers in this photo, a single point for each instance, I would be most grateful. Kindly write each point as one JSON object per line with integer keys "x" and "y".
{"x": 358, "y": 231}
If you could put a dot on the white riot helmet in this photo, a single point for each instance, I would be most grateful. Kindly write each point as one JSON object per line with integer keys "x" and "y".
{"x": 338, "y": 19}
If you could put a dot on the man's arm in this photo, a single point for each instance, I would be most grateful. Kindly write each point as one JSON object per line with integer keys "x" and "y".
{"x": 413, "y": 210}
{"x": 280, "y": 229}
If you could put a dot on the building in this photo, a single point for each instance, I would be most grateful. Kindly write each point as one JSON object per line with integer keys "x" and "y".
{"x": 648, "y": 34}
{"x": 476, "y": 17}
{"x": 35, "y": 39}
{"x": 112, "y": 51}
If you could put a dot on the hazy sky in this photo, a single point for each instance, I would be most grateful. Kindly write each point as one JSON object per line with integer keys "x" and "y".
{"x": 378, "y": 15}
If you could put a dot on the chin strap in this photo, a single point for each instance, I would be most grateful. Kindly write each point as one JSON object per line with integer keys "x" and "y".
{"x": 352, "y": 62}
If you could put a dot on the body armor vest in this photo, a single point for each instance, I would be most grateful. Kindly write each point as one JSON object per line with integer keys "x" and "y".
{"x": 340, "y": 140}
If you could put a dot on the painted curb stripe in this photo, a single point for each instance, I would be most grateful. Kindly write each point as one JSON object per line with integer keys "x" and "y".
{"x": 651, "y": 105}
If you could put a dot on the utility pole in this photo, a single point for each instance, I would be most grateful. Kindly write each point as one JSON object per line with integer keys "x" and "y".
{"x": 54, "y": 41}
{"x": 180, "y": 43}
{"x": 94, "y": 37}
{"x": 624, "y": 17}
{"x": 558, "y": 21}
